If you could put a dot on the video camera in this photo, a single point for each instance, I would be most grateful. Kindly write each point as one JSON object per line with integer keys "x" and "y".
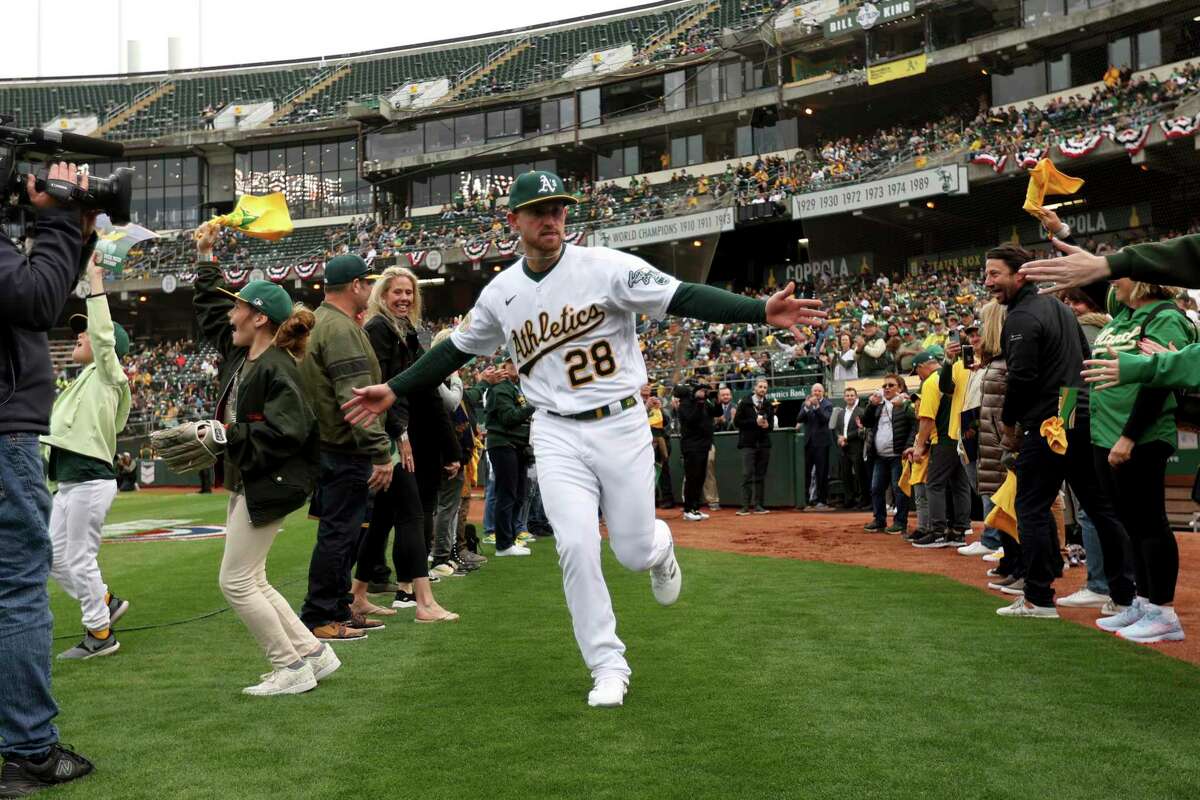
{"x": 110, "y": 195}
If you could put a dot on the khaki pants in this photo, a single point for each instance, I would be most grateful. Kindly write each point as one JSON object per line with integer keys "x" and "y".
{"x": 243, "y": 580}
{"x": 710, "y": 478}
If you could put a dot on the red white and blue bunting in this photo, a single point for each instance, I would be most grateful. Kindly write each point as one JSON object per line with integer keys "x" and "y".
{"x": 416, "y": 257}
{"x": 1028, "y": 159}
{"x": 279, "y": 274}
{"x": 1080, "y": 145}
{"x": 1179, "y": 127}
{"x": 997, "y": 163}
{"x": 1132, "y": 139}
{"x": 575, "y": 236}
{"x": 237, "y": 276}
{"x": 307, "y": 270}
{"x": 475, "y": 251}
{"x": 506, "y": 247}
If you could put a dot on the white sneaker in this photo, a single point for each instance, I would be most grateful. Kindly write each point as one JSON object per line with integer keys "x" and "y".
{"x": 324, "y": 663}
{"x": 702, "y": 515}
{"x": 515, "y": 550}
{"x": 666, "y": 579}
{"x": 1020, "y": 608}
{"x": 443, "y": 570}
{"x": 1154, "y": 627}
{"x": 1084, "y": 598}
{"x": 694, "y": 516}
{"x": 996, "y": 556}
{"x": 975, "y": 549}
{"x": 608, "y": 693}
{"x": 285, "y": 681}
{"x": 1110, "y": 609}
{"x": 1125, "y": 616}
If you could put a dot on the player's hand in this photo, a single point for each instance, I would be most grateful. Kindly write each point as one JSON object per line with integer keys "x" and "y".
{"x": 452, "y": 469}
{"x": 789, "y": 312}
{"x": 406, "y": 455}
{"x": 1104, "y": 371}
{"x": 368, "y": 404}
{"x": 381, "y": 477}
{"x": 1076, "y": 267}
{"x": 1149, "y": 347}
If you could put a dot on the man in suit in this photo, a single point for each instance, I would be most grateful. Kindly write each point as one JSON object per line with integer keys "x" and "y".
{"x": 815, "y": 417}
{"x": 754, "y": 421}
{"x": 848, "y": 433}
{"x": 724, "y": 422}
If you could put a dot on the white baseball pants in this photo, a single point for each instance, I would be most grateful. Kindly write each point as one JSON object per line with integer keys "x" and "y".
{"x": 586, "y": 466}
{"x": 76, "y": 517}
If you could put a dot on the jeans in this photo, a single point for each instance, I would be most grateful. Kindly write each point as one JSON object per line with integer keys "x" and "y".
{"x": 1096, "y": 580}
{"x": 538, "y": 525}
{"x": 489, "y": 500}
{"x": 886, "y": 473}
{"x": 754, "y": 475}
{"x": 341, "y": 503}
{"x": 945, "y": 483}
{"x": 991, "y": 536}
{"x": 509, "y": 464}
{"x": 445, "y": 521}
{"x": 1040, "y": 474}
{"x": 26, "y": 705}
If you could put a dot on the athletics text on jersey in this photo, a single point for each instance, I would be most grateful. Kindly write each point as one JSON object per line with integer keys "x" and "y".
{"x": 572, "y": 335}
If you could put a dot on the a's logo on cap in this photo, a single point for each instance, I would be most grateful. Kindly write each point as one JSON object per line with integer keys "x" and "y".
{"x": 258, "y": 301}
{"x": 547, "y": 185}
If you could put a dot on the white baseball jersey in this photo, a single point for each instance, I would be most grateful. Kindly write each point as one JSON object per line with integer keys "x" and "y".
{"x": 572, "y": 335}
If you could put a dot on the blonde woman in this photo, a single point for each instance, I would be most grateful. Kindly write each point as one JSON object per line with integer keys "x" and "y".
{"x": 427, "y": 449}
{"x": 268, "y": 461}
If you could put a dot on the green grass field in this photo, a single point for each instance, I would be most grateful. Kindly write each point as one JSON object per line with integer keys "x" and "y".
{"x": 770, "y": 678}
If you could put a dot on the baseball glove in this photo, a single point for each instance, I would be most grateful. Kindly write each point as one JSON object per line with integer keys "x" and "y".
{"x": 186, "y": 448}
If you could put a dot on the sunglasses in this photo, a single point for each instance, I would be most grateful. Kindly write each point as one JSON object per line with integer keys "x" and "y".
{"x": 891, "y": 386}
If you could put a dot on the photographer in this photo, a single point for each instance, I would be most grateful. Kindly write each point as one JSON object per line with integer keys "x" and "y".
{"x": 33, "y": 291}
{"x": 695, "y": 438}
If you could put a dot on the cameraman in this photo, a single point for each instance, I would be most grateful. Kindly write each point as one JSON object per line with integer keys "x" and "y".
{"x": 695, "y": 438}
{"x": 33, "y": 291}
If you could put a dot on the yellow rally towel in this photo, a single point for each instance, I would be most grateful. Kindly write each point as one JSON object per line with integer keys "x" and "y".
{"x": 1112, "y": 77}
{"x": 1003, "y": 515}
{"x": 906, "y": 478}
{"x": 1055, "y": 435}
{"x": 263, "y": 217}
{"x": 1045, "y": 179}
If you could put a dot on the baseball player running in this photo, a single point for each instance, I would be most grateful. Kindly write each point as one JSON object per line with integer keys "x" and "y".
{"x": 567, "y": 316}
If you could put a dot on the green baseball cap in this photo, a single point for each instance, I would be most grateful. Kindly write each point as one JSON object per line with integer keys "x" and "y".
{"x": 345, "y": 268}
{"x": 925, "y": 356}
{"x": 266, "y": 298}
{"x": 536, "y": 187}
{"x": 79, "y": 325}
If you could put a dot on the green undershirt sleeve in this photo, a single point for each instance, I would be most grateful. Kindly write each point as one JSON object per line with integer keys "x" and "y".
{"x": 430, "y": 369}
{"x": 710, "y": 304}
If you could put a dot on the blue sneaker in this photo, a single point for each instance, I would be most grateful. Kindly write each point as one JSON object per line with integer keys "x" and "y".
{"x": 1124, "y": 618}
{"x": 1153, "y": 627}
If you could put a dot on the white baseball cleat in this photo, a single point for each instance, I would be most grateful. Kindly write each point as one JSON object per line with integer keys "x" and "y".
{"x": 666, "y": 579}
{"x": 608, "y": 693}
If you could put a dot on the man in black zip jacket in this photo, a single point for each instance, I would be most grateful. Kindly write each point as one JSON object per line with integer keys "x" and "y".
{"x": 33, "y": 291}
{"x": 1044, "y": 347}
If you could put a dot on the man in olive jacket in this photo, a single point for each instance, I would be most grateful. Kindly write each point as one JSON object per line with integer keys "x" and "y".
{"x": 355, "y": 461}
{"x": 507, "y": 419}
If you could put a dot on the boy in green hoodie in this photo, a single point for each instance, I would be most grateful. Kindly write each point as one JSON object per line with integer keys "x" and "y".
{"x": 84, "y": 424}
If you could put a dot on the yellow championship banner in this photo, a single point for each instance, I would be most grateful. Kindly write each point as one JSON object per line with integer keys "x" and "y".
{"x": 895, "y": 70}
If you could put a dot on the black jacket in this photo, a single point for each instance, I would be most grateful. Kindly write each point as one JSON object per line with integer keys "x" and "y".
{"x": 816, "y": 421}
{"x": 1044, "y": 348}
{"x": 33, "y": 292}
{"x": 904, "y": 427}
{"x": 421, "y": 413}
{"x": 854, "y": 434}
{"x": 696, "y": 424}
{"x": 745, "y": 419}
{"x": 274, "y": 443}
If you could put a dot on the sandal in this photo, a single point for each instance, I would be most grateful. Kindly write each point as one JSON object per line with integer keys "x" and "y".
{"x": 448, "y": 616}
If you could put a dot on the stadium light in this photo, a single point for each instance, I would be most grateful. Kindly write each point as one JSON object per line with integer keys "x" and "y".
{"x": 808, "y": 110}
{"x": 931, "y": 204}
{"x": 697, "y": 243}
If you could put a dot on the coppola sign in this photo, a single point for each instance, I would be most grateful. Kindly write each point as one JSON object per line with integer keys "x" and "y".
{"x": 665, "y": 230}
{"x": 837, "y": 267}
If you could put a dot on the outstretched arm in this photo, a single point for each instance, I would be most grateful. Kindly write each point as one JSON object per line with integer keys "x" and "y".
{"x": 428, "y": 371}
{"x": 710, "y": 304}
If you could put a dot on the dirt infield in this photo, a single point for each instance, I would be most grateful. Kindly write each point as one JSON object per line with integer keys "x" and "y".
{"x": 839, "y": 538}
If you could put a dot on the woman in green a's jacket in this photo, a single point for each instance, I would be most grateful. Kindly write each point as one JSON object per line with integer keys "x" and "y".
{"x": 1133, "y": 435}
{"x": 269, "y": 459}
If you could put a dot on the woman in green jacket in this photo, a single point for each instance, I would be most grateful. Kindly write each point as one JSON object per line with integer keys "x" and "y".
{"x": 1133, "y": 436}
{"x": 269, "y": 459}
{"x": 82, "y": 444}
